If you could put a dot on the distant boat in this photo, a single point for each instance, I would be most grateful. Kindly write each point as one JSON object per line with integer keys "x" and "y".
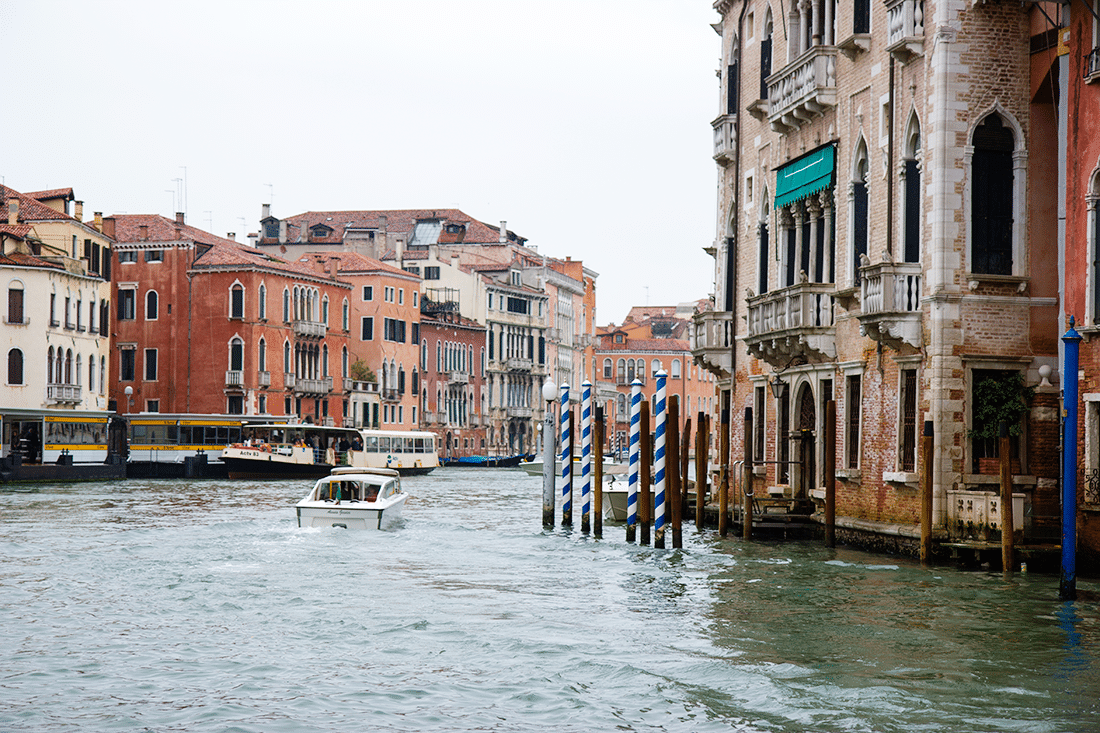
{"x": 483, "y": 461}
{"x": 610, "y": 466}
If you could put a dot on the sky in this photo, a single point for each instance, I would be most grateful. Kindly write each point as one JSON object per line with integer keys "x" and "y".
{"x": 585, "y": 125}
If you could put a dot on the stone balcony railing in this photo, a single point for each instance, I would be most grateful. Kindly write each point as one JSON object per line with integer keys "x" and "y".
{"x": 312, "y": 386}
{"x": 64, "y": 393}
{"x": 289, "y": 380}
{"x": 309, "y": 329}
{"x": 390, "y": 394}
{"x": 890, "y": 295}
{"x": 905, "y": 28}
{"x": 803, "y": 89}
{"x": 791, "y": 323}
{"x": 457, "y": 377}
{"x": 264, "y": 379}
{"x": 725, "y": 138}
{"x": 234, "y": 378}
{"x": 519, "y": 412}
{"x": 518, "y": 365}
{"x": 712, "y": 342}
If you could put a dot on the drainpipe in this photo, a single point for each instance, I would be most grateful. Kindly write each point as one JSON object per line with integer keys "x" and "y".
{"x": 890, "y": 170}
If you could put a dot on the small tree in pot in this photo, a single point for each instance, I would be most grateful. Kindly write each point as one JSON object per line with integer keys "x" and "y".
{"x": 997, "y": 397}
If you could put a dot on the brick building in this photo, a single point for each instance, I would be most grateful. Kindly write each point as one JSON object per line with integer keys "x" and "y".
{"x": 881, "y": 211}
{"x": 205, "y": 325}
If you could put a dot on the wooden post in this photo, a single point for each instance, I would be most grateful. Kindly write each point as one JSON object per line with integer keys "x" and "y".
{"x": 830, "y": 473}
{"x": 645, "y": 498}
{"x": 685, "y": 461}
{"x": 746, "y": 484}
{"x": 1008, "y": 563}
{"x": 597, "y": 475}
{"x": 675, "y": 484}
{"x": 927, "y": 448}
{"x": 724, "y": 475}
{"x": 702, "y": 440}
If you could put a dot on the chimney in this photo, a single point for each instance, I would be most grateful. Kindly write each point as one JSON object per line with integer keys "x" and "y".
{"x": 144, "y": 229}
{"x": 78, "y": 210}
{"x": 382, "y": 222}
{"x": 108, "y": 224}
{"x": 13, "y": 211}
{"x": 282, "y": 231}
{"x": 265, "y": 211}
{"x": 231, "y": 235}
{"x": 503, "y": 232}
{"x": 97, "y": 222}
{"x": 179, "y": 217}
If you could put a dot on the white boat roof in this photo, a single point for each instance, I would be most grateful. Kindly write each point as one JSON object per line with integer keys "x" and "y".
{"x": 364, "y": 471}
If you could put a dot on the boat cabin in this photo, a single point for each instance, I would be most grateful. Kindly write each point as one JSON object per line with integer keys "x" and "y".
{"x": 357, "y": 485}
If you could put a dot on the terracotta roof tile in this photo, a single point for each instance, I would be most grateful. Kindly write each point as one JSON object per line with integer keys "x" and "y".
{"x": 397, "y": 221}
{"x": 30, "y": 208}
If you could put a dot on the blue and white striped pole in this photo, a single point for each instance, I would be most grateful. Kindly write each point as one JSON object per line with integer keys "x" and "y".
{"x": 635, "y": 460}
{"x": 586, "y": 455}
{"x": 661, "y": 418}
{"x": 566, "y": 474}
{"x": 1067, "y": 586}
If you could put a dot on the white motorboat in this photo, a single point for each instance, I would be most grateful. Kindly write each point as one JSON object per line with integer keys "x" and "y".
{"x": 610, "y": 467}
{"x": 354, "y": 498}
{"x": 615, "y": 496}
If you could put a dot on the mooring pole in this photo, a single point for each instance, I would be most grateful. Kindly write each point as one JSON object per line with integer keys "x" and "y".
{"x": 685, "y": 453}
{"x": 549, "y": 396}
{"x": 830, "y": 473}
{"x": 927, "y": 449}
{"x": 659, "y": 458}
{"x": 597, "y": 476}
{"x": 747, "y": 476}
{"x": 724, "y": 473}
{"x": 586, "y": 455}
{"x": 635, "y": 460}
{"x": 1067, "y": 587}
{"x": 701, "y": 443}
{"x": 1008, "y": 525}
{"x": 566, "y": 462}
{"x": 645, "y": 500}
{"x": 676, "y": 505}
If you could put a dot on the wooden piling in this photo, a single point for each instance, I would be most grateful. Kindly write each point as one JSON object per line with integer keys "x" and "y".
{"x": 927, "y": 448}
{"x": 685, "y": 461}
{"x": 597, "y": 475}
{"x": 645, "y": 497}
{"x": 724, "y": 474}
{"x": 830, "y": 473}
{"x": 675, "y": 486}
{"x": 746, "y": 483}
{"x": 702, "y": 440}
{"x": 1008, "y": 563}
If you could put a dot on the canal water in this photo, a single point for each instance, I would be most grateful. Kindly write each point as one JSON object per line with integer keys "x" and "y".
{"x": 200, "y": 606}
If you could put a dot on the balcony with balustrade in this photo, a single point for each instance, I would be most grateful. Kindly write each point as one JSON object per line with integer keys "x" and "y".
{"x": 795, "y": 322}
{"x": 803, "y": 90}
{"x": 317, "y": 387}
{"x": 458, "y": 377}
{"x": 60, "y": 394}
{"x": 289, "y": 380}
{"x": 905, "y": 29}
{"x": 712, "y": 342}
{"x": 263, "y": 379}
{"x": 309, "y": 329}
{"x": 890, "y": 305}
{"x": 234, "y": 379}
{"x": 725, "y": 138}
{"x": 518, "y": 365}
{"x": 519, "y": 412}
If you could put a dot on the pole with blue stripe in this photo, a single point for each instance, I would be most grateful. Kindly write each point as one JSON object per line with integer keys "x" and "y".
{"x": 635, "y": 460}
{"x": 659, "y": 461}
{"x": 566, "y": 449}
{"x": 586, "y": 455}
{"x": 1067, "y": 587}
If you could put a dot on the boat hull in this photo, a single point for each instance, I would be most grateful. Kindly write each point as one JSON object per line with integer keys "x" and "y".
{"x": 269, "y": 466}
{"x": 349, "y": 515}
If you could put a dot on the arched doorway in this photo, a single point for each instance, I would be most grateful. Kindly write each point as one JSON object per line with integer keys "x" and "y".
{"x": 807, "y": 453}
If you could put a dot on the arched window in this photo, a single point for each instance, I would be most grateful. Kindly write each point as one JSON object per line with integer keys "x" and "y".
{"x": 286, "y": 305}
{"x": 79, "y": 368}
{"x": 68, "y": 366}
{"x": 623, "y": 415}
{"x": 286, "y": 358}
{"x": 991, "y": 191}
{"x": 151, "y": 305}
{"x": 49, "y": 367}
{"x": 344, "y": 362}
{"x": 103, "y": 375}
{"x": 91, "y": 373}
{"x": 236, "y": 301}
{"x": 263, "y": 302}
{"x": 764, "y": 248}
{"x": 911, "y": 197}
{"x": 621, "y": 370}
{"x": 236, "y": 355}
{"x": 766, "y": 54}
{"x": 675, "y": 372}
{"x": 656, "y": 366}
{"x": 324, "y": 311}
{"x": 262, "y": 355}
{"x": 607, "y": 369}
{"x": 15, "y": 302}
{"x": 15, "y": 366}
{"x": 324, "y": 360}
{"x": 859, "y": 203}
{"x": 345, "y": 316}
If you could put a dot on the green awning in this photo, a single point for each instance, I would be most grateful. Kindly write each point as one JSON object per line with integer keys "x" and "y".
{"x": 809, "y": 174}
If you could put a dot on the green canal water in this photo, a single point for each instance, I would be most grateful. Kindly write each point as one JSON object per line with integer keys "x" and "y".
{"x": 200, "y": 606}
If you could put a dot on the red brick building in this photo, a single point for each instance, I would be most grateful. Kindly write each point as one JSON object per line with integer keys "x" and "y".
{"x": 202, "y": 324}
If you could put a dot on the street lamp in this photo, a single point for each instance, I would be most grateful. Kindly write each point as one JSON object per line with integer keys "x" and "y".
{"x": 129, "y": 399}
{"x": 777, "y": 385}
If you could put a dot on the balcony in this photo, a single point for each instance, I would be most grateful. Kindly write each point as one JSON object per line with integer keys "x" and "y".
{"x": 390, "y": 394}
{"x": 626, "y": 381}
{"x": 289, "y": 380}
{"x": 234, "y": 379}
{"x": 520, "y": 412}
{"x": 803, "y": 90}
{"x": 263, "y": 379}
{"x": 905, "y": 29}
{"x": 309, "y": 329}
{"x": 1091, "y": 65}
{"x": 458, "y": 377}
{"x": 795, "y": 322}
{"x": 725, "y": 138}
{"x": 64, "y": 393}
{"x": 312, "y": 386}
{"x": 713, "y": 339}
{"x": 890, "y": 297}
{"x": 518, "y": 365}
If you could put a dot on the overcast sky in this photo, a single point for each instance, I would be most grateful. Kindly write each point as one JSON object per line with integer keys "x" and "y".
{"x": 584, "y": 124}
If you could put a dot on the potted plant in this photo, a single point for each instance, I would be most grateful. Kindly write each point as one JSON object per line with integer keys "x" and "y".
{"x": 998, "y": 397}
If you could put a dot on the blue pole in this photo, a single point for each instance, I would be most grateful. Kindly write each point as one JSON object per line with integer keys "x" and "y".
{"x": 635, "y": 459}
{"x": 1067, "y": 588}
{"x": 659, "y": 461}
{"x": 586, "y": 455}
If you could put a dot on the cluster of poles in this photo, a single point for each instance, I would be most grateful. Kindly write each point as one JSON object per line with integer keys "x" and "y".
{"x": 667, "y": 478}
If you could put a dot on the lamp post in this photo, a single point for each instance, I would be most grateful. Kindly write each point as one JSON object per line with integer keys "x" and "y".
{"x": 129, "y": 391}
{"x": 549, "y": 396}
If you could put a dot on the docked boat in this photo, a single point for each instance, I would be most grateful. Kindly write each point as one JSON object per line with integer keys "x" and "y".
{"x": 483, "y": 461}
{"x": 279, "y": 451}
{"x": 615, "y": 497}
{"x": 610, "y": 467}
{"x": 354, "y": 498}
